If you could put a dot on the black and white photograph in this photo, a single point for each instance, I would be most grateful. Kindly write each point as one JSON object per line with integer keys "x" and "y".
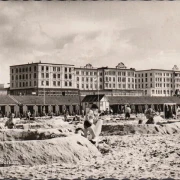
{"x": 90, "y": 90}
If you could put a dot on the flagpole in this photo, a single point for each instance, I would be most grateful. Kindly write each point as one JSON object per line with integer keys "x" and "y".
{"x": 98, "y": 91}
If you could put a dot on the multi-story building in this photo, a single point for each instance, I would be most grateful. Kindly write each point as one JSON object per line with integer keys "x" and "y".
{"x": 59, "y": 79}
{"x": 42, "y": 78}
{"x": 109, "y": 81}
{"x": 158, "y": 82}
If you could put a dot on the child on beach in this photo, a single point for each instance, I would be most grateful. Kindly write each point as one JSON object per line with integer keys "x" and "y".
{"x": 150, "y": 113}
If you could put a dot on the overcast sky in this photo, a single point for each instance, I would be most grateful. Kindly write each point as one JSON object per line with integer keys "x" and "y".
{"x": 143, "y": 35}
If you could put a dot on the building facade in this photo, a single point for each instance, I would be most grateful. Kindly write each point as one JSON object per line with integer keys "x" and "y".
{"x": 42, "y": 78}
{"x": 64, "y": 79}
{"x": 158, "y": 82}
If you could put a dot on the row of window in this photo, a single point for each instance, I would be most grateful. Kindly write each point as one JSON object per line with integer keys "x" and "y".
{"x": 165, "y": 85}
{"x": 87, "y": 73}
{"x": 23, "y": 76}
{"x": 87, "y": 86}
{"x": 143, "y": 75}
{"x": 165, "y": 79}
{"x": 24, "y": 69}
{"x": 161, "y": 92}
{"x": 22, "y": 84}
{"x": 142, "y": 80}
{"x": 129, "y": 86}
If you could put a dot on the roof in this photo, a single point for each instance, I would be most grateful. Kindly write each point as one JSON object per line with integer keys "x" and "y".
{"x": 49, "y": 100}
{"x": 5, "y": 100}
{"x": 155, "y": 70}
{"x": 41, "y": 63}
{"x": 142, "y": 100}
{"x": 93, "y": 98}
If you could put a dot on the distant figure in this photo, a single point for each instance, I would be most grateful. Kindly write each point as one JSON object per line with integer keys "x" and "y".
{"x": 150, "y": 113}
{"x": 127, "y": 112}
{"x": 9, "y": 123}
{"x": 28, "y": 115}
{"x": 83, "y": 113}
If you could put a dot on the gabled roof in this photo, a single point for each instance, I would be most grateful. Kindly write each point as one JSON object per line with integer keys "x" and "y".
{"x": 142, "y": 100}
{"x": 93, "y": 98}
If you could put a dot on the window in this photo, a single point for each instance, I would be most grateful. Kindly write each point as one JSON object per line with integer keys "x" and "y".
{"x": 114, "y": 86}
{"x": 77, "y": 78}
{"x": 70, "y": 83}
{"x": 30, "y": 83}
{"x": 34, "y": 75}
{"x": 65, "y": 69}
{"x": 23, "y": 84}
{"x": 129, "y": 80}
{"x": 54, "y": 83}
{"x": 91, "y": 79}
{"x": 128, "y": 86}
{"x": 87, "y": 86}
{"x": 69, "y": 69}
{"x": 113, "y": 79}
{"x": 12, "y": 85}
{"x": 19, "y": 69}
{"x": 34, "y": 83}
{"x": 54, "y": 68}
{"x": 123, "y": 79}
{"x": 91, "y": 85}
{"x": 34, "y": 68}
{"x": 54, "y": 76}
{"x": 78, "y": 86}
{"x": 47, "y": 68}
{"x": 47, "y": 83}
{"x": 77, "y": 72}
{"x": 58, "y": 68}
{"x": 30, "y": 69}
{"x": 19, "y": 76}
{"x": 124, "y": 86}
{"x": 42, "y": 68}
{"x": 65, "y": 76}
{"x": 16, "y": 77}
{"x": 87, "y": 79}
{"x": 20, "y": 84}
{"x": 12, "y": 77}
{"x": 65, "y": 83}
{"x": 23, "y": 76}
{"x": 47, "y": 75}
{"x": 95, "y": 73}
{"x": 70, "y": 76}
{"x": 82, "y": 85}
{"x": 42, "y": 75}
{"x": 16, "y": 70}
{"x": 26, "y": 84}
{"x": 100, "y": 79}
{"x": 146, "y": 79}
{"x": 133, "y": 86}
{"x": 91, "y": 73}
{"x": 26, "y": 76}
{"x": 142, "y": 86}
{"x": 82, "y": 78}
{"x": 58, "y": 76}
{"x": 58, "y": 83}
{"x": 12, "y": 70}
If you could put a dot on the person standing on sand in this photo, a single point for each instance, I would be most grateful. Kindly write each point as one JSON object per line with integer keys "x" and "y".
{"x": 90, "y": 121}
{"x": 127, "y": 112}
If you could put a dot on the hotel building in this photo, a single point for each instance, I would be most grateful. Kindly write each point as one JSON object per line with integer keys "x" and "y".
{"x": 42, "y": 78}
{"x": 158, "y": 82}
{"x": 59, "y": 79}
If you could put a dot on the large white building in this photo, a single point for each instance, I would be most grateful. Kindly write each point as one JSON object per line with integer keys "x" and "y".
{"x": 60, "y": 79}
{"x": 40, "y": 78}
{"x": 158, "y": 82}
{"x": 56, "y": 79}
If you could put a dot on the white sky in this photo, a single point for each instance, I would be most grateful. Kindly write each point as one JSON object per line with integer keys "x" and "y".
{"x": 143, "y": 35}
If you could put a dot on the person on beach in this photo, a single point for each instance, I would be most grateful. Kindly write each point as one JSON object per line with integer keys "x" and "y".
{"x": 90, "y": 122}
{"x": 150, "y": 113}
{"x": 9, "y": 123}
{"x": 127, "y": 112}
